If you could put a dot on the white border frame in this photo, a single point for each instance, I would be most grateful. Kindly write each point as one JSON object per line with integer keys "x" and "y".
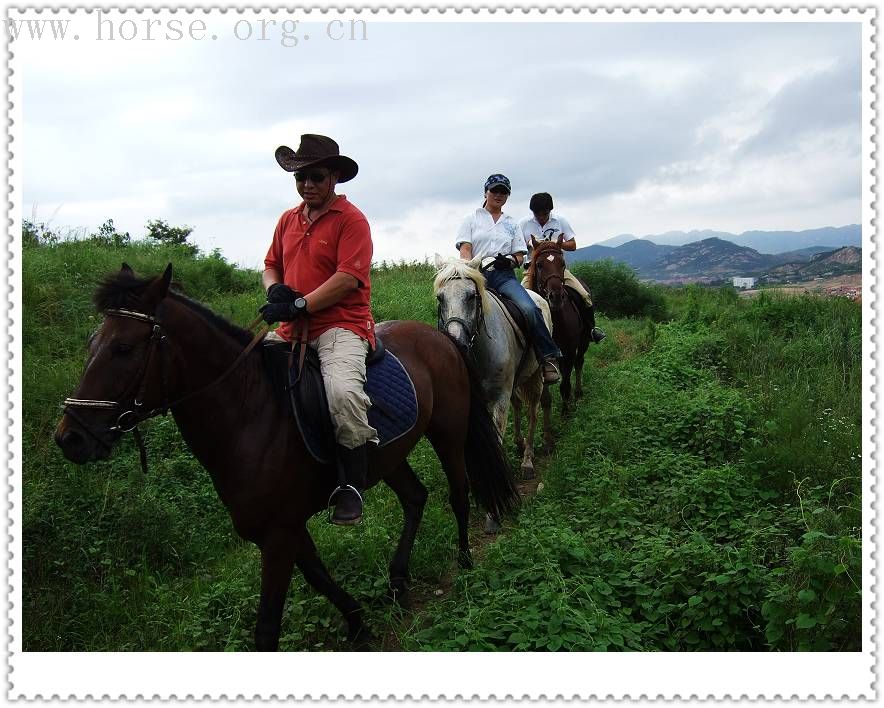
{"x": 304, "y": 676}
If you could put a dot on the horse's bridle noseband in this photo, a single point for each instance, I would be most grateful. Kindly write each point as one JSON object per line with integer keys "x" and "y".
{"x": 544, "y": 283}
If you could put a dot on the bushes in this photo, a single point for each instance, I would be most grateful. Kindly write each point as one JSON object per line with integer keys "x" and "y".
{"x": 617, "y": 292}
{"x": 661, "y": 527}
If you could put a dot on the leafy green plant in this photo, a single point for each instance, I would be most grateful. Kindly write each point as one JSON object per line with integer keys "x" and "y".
{"x": 107, "y": 235}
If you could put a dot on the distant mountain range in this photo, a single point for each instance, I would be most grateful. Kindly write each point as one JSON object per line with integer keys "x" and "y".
{"x": 762, "y": 241}
{"x": 715, "y": 259}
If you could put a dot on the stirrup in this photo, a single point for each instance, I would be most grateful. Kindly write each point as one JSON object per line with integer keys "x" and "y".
{"x": 556, "y": 371}
{"x": 344, "y": 488}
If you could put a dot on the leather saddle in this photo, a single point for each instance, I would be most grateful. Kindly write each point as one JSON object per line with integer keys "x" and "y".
{"x": 393, "y": 409}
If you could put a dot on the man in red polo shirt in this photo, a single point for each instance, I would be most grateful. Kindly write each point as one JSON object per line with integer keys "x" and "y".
{"x": 323, "y": 248}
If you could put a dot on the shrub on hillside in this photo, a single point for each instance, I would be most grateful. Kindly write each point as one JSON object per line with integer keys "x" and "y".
{"x": 617, "y": 292}
{"x": 107, "y": 235}
{"x": 34, "y": 234}
{"x": 159, "y": 230}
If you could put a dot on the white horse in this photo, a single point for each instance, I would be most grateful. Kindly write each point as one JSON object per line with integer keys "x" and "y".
{"x": 505, "y": 363}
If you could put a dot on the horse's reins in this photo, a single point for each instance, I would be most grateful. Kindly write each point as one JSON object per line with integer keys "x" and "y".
{"x": 128, "y": 419}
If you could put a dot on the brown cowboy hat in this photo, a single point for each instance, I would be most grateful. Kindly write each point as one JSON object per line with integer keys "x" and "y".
{"x": 316, "y": 150}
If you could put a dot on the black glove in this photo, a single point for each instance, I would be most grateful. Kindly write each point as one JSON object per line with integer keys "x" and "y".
{"x": 280, "y": 292}
{"x": 281, "y": 312}
{"x": 502, "y": 262}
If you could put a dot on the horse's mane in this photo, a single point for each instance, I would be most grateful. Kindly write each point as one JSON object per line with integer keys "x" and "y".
{"x": 454, "y": 269}
{"x": 124, "y": 291}
{"x": 542, "y": 248}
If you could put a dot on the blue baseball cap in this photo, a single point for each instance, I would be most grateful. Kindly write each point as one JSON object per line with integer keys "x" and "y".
{"x": 495, "y": 180}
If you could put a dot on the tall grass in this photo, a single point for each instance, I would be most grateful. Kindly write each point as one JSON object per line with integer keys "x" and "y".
{"x": 705, "y": 495}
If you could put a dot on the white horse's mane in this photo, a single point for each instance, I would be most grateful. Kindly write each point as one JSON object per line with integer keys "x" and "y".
{"x": 458, "y": 269}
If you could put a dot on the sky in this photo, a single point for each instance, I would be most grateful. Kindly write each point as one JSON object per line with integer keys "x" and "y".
{"x": 636, "y": 128}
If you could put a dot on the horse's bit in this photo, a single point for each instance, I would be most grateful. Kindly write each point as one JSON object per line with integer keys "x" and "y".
{"x": 133, "y": 414}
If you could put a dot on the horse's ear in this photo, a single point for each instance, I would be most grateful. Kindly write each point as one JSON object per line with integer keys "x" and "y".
{"x": 439, "y": 262}
{"x": 126, "y": 269}
{"x": 533, "y": 241}
{"x": 157, "y": 290}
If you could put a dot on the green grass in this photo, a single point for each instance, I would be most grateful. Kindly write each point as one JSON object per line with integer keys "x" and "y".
{"x": 705, "y": 495}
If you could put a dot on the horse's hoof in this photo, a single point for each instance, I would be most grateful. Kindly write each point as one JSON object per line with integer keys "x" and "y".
{"x": 528, "y": 472}
{"x": 397, "y": 592}
{"x": 465, "y": 560}
{"x": 360, "y": 637}
{"x": 491, "y": 526}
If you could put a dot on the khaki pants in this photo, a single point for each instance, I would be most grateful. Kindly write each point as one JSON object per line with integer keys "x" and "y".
{"x": 571, "y": 282}
{"x": 342, "y": 362}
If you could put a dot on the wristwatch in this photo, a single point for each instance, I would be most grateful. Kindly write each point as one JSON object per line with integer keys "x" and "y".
{"x": 300, "y": 305}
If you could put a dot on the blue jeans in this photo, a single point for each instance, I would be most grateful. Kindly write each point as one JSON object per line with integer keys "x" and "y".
{"x": 504, "y": 282}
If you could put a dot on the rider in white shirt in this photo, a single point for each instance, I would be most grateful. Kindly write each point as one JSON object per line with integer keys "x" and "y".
{"x": 495, "y": 237}
{"x": 546, "y": 226}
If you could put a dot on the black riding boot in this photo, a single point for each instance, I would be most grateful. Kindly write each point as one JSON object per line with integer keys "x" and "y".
{"x": 352, "y": 471}
{"x": 595, "y": 333}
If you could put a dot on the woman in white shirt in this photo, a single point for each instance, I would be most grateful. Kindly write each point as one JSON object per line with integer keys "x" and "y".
{"x": 497, "y": 239}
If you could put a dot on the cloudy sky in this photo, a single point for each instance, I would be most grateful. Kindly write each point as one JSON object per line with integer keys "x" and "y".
{"x": 633, "y": 127}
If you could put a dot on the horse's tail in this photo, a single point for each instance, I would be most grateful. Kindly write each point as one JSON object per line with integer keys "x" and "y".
{"x": 491, "y": 477}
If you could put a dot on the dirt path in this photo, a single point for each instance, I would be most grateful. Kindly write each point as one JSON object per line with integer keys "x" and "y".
{"x": 422, "y": 595}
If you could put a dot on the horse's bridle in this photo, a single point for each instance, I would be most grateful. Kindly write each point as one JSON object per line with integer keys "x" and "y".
{"x": 132, "y": 413}
{"x": 543, "y": 285}
{"x": 473, "y": 329}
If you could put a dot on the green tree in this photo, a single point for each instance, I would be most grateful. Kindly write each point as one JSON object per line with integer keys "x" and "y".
{"x": 107, "y": 235}
{"x": 617, "y": 292}
{"x": 159, "y": 230}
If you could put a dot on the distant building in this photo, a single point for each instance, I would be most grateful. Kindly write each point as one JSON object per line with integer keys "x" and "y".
{"x": 744, "y": 283}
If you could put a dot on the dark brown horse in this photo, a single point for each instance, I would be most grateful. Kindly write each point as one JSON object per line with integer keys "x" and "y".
{"x": 546, "y": 276}
{"x": 157, "y": 349}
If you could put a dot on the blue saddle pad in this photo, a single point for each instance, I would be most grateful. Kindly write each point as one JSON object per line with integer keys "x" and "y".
{"x": 393, "y": 409}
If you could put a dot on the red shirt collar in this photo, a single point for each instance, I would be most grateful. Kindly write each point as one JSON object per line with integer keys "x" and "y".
{"x": 336, "y": 205}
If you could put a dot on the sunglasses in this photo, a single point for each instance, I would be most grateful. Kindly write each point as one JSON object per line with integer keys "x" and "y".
{"x": 315, "y": 177}
{"x": 499, "y": 190}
